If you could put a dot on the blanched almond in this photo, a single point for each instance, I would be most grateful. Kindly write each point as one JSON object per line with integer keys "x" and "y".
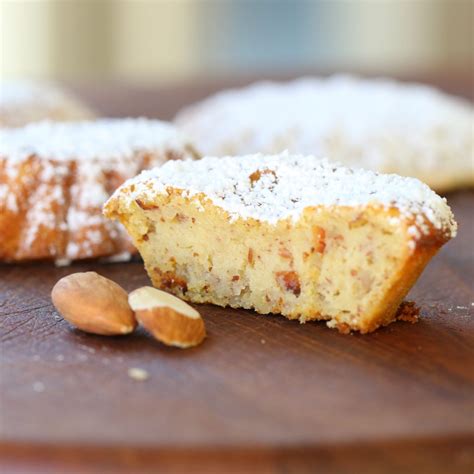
{"x": 169, "y": 319}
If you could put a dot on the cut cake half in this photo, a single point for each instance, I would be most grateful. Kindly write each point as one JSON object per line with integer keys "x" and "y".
{"x": 288, "y": 234}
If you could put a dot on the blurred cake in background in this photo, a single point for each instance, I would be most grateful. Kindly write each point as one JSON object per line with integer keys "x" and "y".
{"x": 379, "y": 124}
{"x": 55, "y": 177}
{"x": 23, "y": 101}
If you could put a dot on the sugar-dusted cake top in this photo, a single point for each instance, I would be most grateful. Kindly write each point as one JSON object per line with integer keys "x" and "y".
{"x": 100, "y": 139}
{"x": 273, "y": 187}
{"x": 378, "y": 124}
{"x": 300, "y": 111}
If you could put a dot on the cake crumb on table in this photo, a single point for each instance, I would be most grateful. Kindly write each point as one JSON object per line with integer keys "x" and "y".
{"x": 138, "y": 374}
{"x": 408, "y": 312}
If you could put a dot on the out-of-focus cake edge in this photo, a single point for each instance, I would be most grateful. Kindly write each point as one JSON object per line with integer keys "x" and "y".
{"x": 55, "y": 177}
{"x": 23, "y": 102}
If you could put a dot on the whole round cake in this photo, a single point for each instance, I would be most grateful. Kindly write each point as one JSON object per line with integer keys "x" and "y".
{"x": 378, "y": 124}
{"x": 55, "y": 177}
{"x": 23, "y": 102}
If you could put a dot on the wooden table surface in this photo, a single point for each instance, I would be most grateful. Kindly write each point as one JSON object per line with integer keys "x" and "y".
{"x": 262, "y": 394}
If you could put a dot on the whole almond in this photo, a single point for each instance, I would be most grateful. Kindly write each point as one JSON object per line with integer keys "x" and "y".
{"x": 94, "y": 304}
{"x": 169, "y": 319}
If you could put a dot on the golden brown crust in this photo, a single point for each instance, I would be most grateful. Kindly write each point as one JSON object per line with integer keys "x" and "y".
{"x": 403, "y": 280}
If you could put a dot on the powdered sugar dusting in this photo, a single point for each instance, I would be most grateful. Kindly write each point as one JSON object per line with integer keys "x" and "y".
{"x": 274, "y": 187}
{"x": 101, "y": 139}
{"x": 379, "y": 124}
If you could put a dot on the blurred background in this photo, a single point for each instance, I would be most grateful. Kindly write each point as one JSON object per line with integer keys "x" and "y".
{"x": 161, "y": 41}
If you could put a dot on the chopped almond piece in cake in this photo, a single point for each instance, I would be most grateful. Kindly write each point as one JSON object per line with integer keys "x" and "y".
{"x": 308, "y": 239}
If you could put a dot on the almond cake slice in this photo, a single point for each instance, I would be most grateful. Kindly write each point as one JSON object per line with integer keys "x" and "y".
{"x": 287, "y": 234}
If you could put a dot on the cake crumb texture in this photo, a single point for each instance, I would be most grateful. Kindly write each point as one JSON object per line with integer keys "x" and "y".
{"x": 408, "y": 312}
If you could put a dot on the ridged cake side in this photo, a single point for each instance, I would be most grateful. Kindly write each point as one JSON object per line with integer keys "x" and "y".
{"x": 55, "y": 178}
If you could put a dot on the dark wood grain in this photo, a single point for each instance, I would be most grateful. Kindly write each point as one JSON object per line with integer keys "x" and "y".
{"x": 261, "y": 394}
